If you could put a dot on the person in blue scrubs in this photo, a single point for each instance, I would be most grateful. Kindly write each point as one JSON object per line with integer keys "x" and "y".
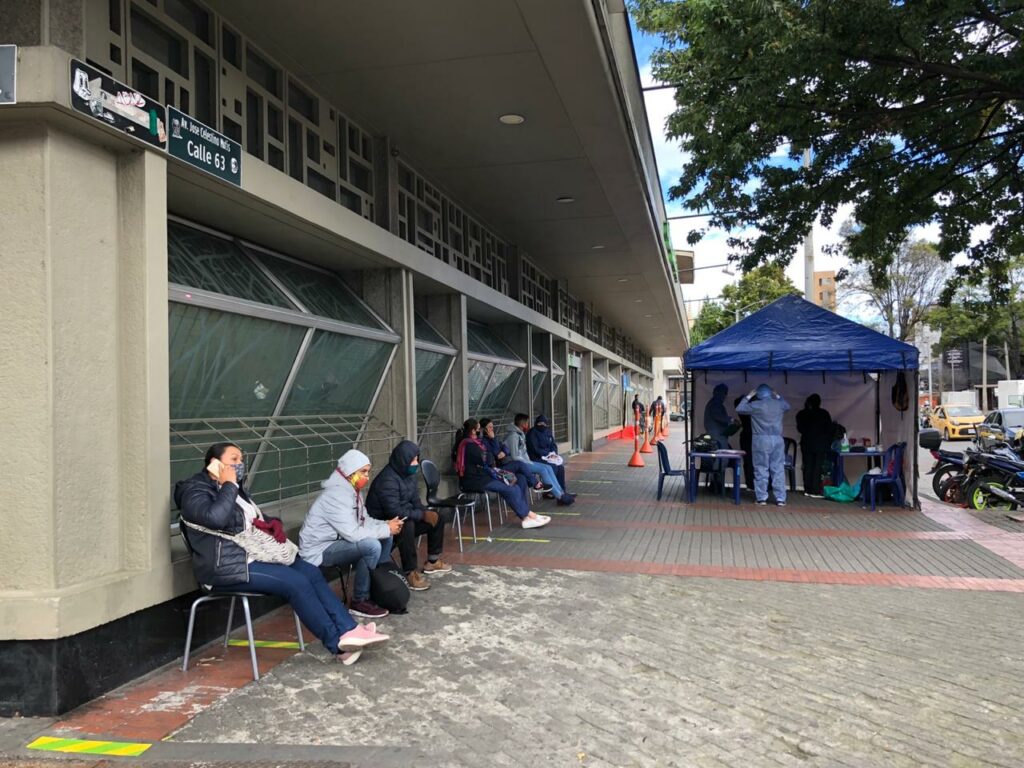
{"x": 766, "y": 407}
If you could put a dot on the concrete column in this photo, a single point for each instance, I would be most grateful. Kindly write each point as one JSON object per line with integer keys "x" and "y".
{"x": 84, "y": 442}
{"x": 542, "y": 350}
{"x": 560, "y": 399}
{"x": 389, "y": 292}
{"x": 45, "y": 22}
{"x": 587, "y": 406}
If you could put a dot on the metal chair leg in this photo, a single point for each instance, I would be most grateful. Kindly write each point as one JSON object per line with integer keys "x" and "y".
{"x": 231, "y": 618}
{"x": 298, "y": 631}
{"x": 252, "y": 640}
{"x": 458, "y": 526}
{"x": 487, "y": 498}
{"x": 188, "y": 635}
{"x": 472, "y": 520}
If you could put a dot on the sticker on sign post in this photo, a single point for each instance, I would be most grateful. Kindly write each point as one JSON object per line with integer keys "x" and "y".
{"x": 103, "y": 98}
{"x": 8, "y": 74}
{"x": 198, "y": 144}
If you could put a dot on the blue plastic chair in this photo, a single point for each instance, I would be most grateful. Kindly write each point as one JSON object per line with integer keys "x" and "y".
{"x": 665, "y": 469}
{"x": 892, "y": 474}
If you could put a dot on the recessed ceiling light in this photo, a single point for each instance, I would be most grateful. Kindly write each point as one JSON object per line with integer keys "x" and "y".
{"x": 512, "y": 119}
{"x": 648, "y": 315}
{"x": 565, "y": 199}
{"x": 597, "y": 247}
{"x": 623, "y": 280}
{"x": 638, "y": 301}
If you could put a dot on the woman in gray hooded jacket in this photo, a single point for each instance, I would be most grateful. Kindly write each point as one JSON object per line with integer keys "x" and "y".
{"x": 339, "y": 532}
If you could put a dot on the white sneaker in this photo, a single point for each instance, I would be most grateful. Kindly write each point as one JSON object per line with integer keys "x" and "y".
{"x": 536, "y": 522}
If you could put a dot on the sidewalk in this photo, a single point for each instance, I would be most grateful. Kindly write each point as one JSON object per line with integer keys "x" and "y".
{"x": 898, "y": 641}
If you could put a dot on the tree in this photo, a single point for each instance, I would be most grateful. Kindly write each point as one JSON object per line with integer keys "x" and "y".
{"x": 911, "y": 109}
{"x": 761, "y": 285}
{"x": 904, "y": 294}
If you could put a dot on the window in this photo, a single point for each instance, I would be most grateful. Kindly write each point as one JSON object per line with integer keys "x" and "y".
{"x": 159, "y": 42}
{"x": 262, "y": 72}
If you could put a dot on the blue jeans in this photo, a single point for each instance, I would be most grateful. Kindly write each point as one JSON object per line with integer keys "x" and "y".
{"x": 547, "y": 476}
{"x": 302, "y": 585}
{"x": 769, "y": 457}
{"x": 514, "y": 495}
{"x": 365, "y": 554}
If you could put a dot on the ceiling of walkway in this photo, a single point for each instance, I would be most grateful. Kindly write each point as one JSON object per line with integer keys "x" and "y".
{"x": 435, "y": 77}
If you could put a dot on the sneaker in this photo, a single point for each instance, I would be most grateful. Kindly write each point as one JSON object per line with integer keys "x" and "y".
{"x": 780, "y": 503}
{"x": 539, "y": 486}
{"x": 815, "y": 496}
{"x": 546, "y": 488}
{"x": 348, "y": 658}
{"x": 566, "y": 500}
{"x": 367, "y": 609}
{"x": 536, "y": 522}
{"x": 437, "y": 567}
{"x": 417, "y": 582}
{"x": 360, "y": 637}
{"x": 762, "y": 503}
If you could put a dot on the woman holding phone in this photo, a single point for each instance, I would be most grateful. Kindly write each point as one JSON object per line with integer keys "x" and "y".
{"x": 215, "y": 499}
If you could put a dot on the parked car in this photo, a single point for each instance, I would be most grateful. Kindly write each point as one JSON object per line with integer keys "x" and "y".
{"x": 1002, "y": 424}
{"x": 674, "y": 416}
{"x": 956, "y": 421}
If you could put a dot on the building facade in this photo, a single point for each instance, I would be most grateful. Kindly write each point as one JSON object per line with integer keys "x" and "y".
{"x": 825, "y": 290}
{"x": 301, "y": 232}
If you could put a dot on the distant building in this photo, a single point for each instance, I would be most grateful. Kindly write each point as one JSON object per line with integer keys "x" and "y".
{"x": 825, "y": 290}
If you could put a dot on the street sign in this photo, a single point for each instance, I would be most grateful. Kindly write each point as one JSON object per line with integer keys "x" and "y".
{"x": 8, "y": 74}
{"x": 954, "y": 357}
{"x": 201, "y": 146}
{"x": 101, "y": 97}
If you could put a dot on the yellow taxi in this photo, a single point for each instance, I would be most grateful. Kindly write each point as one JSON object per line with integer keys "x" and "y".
{"x": 957, "y": 421}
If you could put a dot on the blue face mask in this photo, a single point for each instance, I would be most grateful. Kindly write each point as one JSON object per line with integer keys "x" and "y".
{"x": 239, "y": 472}
{"x": 412, "y": 469}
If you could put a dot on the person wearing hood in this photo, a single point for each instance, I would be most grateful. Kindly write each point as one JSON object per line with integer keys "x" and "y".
{"x": 395, "y": 495}
{"x": 337, "y": 531}
{"x": 477, "y": 474}
{"x": 814, "y": 424}
{"x": 216, "y": 500}
{"x": 541, "y": 446}
{"x": 766, "y": 407}
{"x": 717, "y": 424}
{"x": 516, "y": 442}
{"x": 639, "y": 413}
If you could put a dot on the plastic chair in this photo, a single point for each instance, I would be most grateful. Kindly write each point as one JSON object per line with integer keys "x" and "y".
{"x": 460, "y": 503}
{"x": 892, "y": 474}
{"x": 790, "y": 448}
{"x": 209, "y": 595}
{"x": 665, "y": 469}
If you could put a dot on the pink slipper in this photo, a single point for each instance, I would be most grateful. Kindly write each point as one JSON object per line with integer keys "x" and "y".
{"x": 360, "y": 637}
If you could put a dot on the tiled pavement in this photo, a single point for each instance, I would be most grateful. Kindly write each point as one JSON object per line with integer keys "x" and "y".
{"x": 579, "y": 651}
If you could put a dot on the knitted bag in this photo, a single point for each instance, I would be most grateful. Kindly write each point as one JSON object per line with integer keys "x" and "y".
{"x": 259, "y": 545}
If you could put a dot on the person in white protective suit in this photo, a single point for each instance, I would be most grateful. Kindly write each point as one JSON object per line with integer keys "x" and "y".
{"x": 765, "y": 407}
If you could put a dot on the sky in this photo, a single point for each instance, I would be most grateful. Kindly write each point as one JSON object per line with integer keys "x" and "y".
{"x": 712, "y": 249}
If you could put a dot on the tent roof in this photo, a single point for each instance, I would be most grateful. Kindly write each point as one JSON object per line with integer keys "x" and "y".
{"x": 792, "y": 334}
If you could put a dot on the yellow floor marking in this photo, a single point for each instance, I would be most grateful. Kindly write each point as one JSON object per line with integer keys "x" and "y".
{"x": 499, "y": 538}
{"x": 265, "y": 644}
{"x": 87, "y": 746}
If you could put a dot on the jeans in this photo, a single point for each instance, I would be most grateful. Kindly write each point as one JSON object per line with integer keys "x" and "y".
{"x": 769, "y": 457}
{"x": 302, "y": 585}
{"x": 364, "y": 554}
{"x": 548, "y": 477}
{"x": 514, "y": 495}
{"x": 406, "y": 541}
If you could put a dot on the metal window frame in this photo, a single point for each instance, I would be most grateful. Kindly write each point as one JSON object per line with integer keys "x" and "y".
{"x": 437, "y": 397}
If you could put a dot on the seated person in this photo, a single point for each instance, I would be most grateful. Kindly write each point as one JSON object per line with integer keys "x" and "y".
{"x": 541, "y": 446}
{"x": 477, "y": 474}
{"x": 516, "y": 442}
{"x": 504, "y": 460}
{"x": 395, "y": 495}
{"x": 214, "y": 498}
{"x": 337, "y": 531}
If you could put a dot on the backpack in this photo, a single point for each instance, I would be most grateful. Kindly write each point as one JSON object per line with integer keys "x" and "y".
{"x": 900, "y": 395}
{"x": 704, "y": 444}
{"x": 388, "y": 587}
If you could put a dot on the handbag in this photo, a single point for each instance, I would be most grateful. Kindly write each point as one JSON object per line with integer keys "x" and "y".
{"x": 259, "y": 545}
{"x": 508, "y": 478}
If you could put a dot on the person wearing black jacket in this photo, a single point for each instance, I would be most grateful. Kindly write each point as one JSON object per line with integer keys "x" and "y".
{"x": 540, "y": 443}
{"x": 395, "y": 493}
{"x": 215, "y": 499}
{"x": 814, "y": 424}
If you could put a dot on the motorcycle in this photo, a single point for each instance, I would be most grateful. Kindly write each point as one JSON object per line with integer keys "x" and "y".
{"x": 987, "y": 472}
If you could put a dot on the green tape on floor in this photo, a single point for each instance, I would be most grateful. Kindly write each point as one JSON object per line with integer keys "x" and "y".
{"x": 265, "y": 644}
{"x": 89, "y": 747}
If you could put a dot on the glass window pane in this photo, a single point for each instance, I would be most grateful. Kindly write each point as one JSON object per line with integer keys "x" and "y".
{"x": 500, "y": 389}
{"x": 538, "y": 365}
{"x": 223, "y": 364}
{"x": 322, "y": 293}
{"x": 339, "y": 374}
{"x": 431, "y": 373}
{"x": 425, "y": 331}
{"x": 478, "y": 375}
{"x": 200, "y": 260}
{"x": 556, "y": 382}
{"x": 483, "y": 341}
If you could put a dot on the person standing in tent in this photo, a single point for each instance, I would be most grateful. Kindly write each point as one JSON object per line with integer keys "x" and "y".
{"x": 718, "y": 424}
{"x": 766, "y": 407}
{"x": 814, "y": 424}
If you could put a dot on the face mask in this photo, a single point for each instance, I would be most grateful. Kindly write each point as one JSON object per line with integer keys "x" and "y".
{"x": 542, "y": 427}
{"x": 359, "y": 481}
{"x": 239, "y": 471}
{"x": 412, "y": 469}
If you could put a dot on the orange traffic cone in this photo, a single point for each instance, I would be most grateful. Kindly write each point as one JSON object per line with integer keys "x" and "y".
{"x": 636, "y": 460}
{"x": 646, "y": 447}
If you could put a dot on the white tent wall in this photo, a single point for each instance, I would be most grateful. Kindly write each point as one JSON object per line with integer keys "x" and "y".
{"x": 854, "y": 399}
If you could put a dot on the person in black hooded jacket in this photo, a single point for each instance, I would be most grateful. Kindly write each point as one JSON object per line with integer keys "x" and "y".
{"x": 395, "y": 493}
{"x": 540, "y": 443}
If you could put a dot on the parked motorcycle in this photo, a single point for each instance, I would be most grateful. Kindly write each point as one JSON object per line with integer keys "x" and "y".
{"x": 989, "y": 471}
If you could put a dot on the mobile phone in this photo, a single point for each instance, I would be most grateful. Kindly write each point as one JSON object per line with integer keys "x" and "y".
{"x": 404, "y": 519}
{"x": 214, "y": 467}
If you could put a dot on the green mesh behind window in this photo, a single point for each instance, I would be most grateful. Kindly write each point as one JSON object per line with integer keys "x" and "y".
{"x": 426, "y": 332}
{"x": 500, "y": 390}
{"x": 339, "y": 374}
{"x": 431, "y": 372}
{"x": 200, "y": 260}
{"x": 479, "y": 374}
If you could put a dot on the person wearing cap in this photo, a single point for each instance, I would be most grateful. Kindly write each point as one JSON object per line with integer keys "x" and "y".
{"x": 338, "y": 531}
{"x": 395, "y": 495}
{"x": 541, "y": 446}
{"x": 766, "y": 408}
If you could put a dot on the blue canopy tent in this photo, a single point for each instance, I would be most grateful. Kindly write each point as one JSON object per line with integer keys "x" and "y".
{"x": 799, "y": 349}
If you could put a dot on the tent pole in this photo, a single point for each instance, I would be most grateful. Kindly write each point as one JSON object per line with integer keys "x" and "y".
{"x": 878, "y": 409}
{"x": 917, "y": 426}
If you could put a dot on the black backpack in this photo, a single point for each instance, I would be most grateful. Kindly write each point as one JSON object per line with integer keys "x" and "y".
{"x": 900, "y": 394}
{"x": 704, "y": 444}
{"x": 388, "y": 587}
